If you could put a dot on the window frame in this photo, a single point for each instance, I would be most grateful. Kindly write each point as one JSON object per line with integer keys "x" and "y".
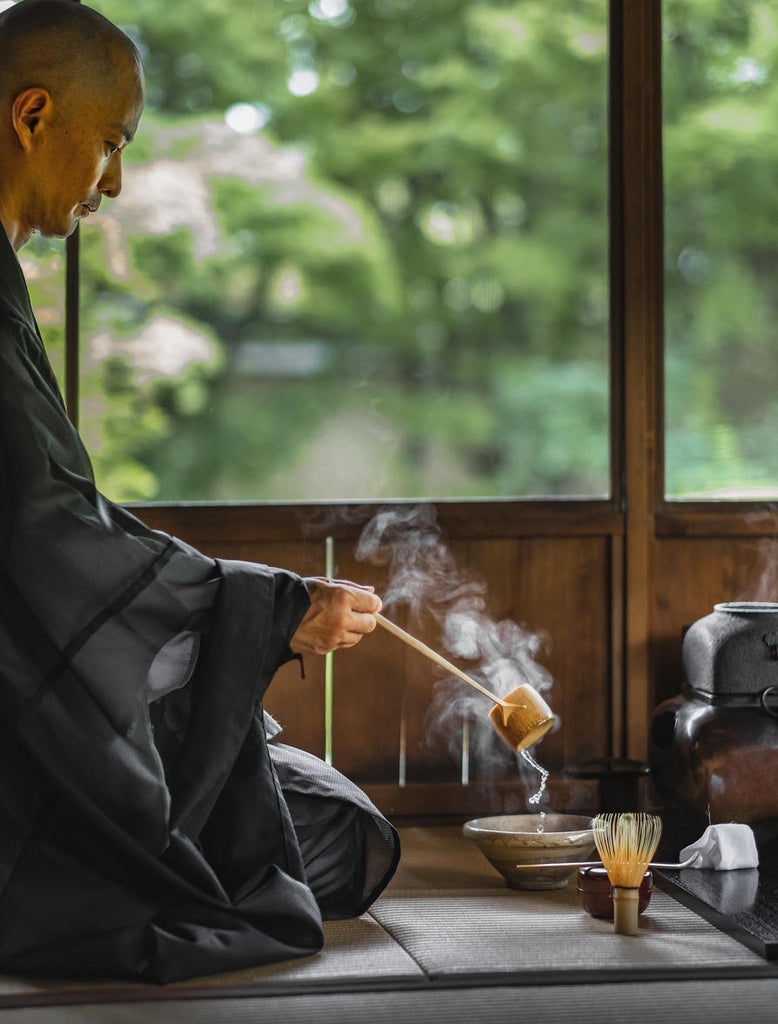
{"x": 637, "y": 513}
{"x": 495, "y": 509}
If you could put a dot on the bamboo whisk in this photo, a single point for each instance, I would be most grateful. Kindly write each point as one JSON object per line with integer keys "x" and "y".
{"x": 626, "y": 843}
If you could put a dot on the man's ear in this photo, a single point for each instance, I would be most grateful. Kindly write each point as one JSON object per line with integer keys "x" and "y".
{"x": 31, "y": 109}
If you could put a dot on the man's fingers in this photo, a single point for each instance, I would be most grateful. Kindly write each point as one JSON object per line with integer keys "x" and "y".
{"x": 349, "y": 583}
{"x": 360, "y": 623}
{"x": 340, "y": 615}
{"x": 366, "y": 601}
{"x": 355, "y": 596}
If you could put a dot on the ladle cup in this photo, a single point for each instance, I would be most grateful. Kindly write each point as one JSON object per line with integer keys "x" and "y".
{"x": 520, "y": 718}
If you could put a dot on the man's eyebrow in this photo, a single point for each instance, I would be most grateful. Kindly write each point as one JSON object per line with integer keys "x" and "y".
{"x": 125, "y": 132}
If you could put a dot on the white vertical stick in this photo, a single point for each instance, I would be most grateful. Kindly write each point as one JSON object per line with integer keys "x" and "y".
{"x": 402, "y": 762}
{"x": 466, "y": 750}
{"x": 329, "y": 572}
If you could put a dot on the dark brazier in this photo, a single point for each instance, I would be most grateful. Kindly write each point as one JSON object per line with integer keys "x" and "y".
{"x": 714, "y": 758}
{"x": 714, "y": 748}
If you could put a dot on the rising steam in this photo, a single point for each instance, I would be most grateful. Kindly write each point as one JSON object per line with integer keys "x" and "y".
{"x": 424, "y": 578}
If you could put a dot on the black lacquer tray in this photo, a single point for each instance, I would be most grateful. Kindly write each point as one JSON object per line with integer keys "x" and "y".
{"x": 743, "y": 903}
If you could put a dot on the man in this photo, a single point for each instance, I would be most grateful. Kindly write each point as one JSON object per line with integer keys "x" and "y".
{"x": 149, "y": 825}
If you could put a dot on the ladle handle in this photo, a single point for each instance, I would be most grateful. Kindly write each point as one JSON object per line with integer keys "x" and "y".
{"x": 434, "y": 656}
{"x": 598, "y": 864}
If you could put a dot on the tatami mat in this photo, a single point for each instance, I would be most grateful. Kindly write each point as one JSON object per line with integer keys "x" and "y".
{"x": 354, "y": 951}
{"x": 710, "y": 1002}
{"x": 531, "y": 932}
{"x": 451, "y": 910}
{"x": 449, "y": 941}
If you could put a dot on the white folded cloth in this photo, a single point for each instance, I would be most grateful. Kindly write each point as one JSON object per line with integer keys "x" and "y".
{"x": 724, "y": 847}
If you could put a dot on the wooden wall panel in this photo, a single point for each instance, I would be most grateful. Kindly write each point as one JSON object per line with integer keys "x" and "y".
{"x": 693, "y": 574}
{"x": 555, "y": 586}
{"x": 367, "y": 690}
{"x": 561, "y": 590}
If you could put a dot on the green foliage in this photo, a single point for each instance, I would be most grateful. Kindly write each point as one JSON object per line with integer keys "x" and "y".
{"x": 201, "y": 57}
{"x": 396, "y": 285}
{"x": 43, "y": 261}
{"x": 439, "y": 244}
{"x": 443, "y": 248}
{"x": 721, "y": 155}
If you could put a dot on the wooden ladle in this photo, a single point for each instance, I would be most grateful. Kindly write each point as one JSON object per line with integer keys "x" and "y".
{"x": 521, "y": 717}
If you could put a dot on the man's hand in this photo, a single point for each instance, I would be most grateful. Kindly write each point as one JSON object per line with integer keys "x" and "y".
{"x": 341, "y": 613}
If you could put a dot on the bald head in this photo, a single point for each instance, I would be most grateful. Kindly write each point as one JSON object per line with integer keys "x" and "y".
{"x": 71, "y": 97}
{"x": 62, "y": 46}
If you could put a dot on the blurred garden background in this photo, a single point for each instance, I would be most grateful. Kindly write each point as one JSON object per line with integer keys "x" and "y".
{"x": 362, "y": 253}
{"x": 720, "y": 95}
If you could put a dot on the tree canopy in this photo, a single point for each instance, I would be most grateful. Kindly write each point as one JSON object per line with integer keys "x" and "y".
{"x": 379, "y": 228}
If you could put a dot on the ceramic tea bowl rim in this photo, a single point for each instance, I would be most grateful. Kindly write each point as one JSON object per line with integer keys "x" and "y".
{"x": 526, "y": 857}
{"x": 486, "y": 828}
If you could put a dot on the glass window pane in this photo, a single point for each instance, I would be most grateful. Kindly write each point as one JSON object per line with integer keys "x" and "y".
{"x": 721, "y": 227}
{"x": 361, "y": 253}
{"x": 43, "y": 263}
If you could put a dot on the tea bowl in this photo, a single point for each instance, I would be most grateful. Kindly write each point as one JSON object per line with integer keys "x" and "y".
{"x": 510, "y": 840}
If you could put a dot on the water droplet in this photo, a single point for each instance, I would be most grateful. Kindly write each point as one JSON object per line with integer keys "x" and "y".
{"x": 530, "y": 760}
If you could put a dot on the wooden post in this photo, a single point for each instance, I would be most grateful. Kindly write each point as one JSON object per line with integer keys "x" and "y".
{"x": 642, "y": 220}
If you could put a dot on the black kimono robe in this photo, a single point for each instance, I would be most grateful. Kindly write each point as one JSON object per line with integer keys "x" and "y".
{"x": 150, "y": 823}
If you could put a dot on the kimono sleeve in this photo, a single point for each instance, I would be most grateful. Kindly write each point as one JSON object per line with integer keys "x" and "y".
{"x": 99, "y": 615}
